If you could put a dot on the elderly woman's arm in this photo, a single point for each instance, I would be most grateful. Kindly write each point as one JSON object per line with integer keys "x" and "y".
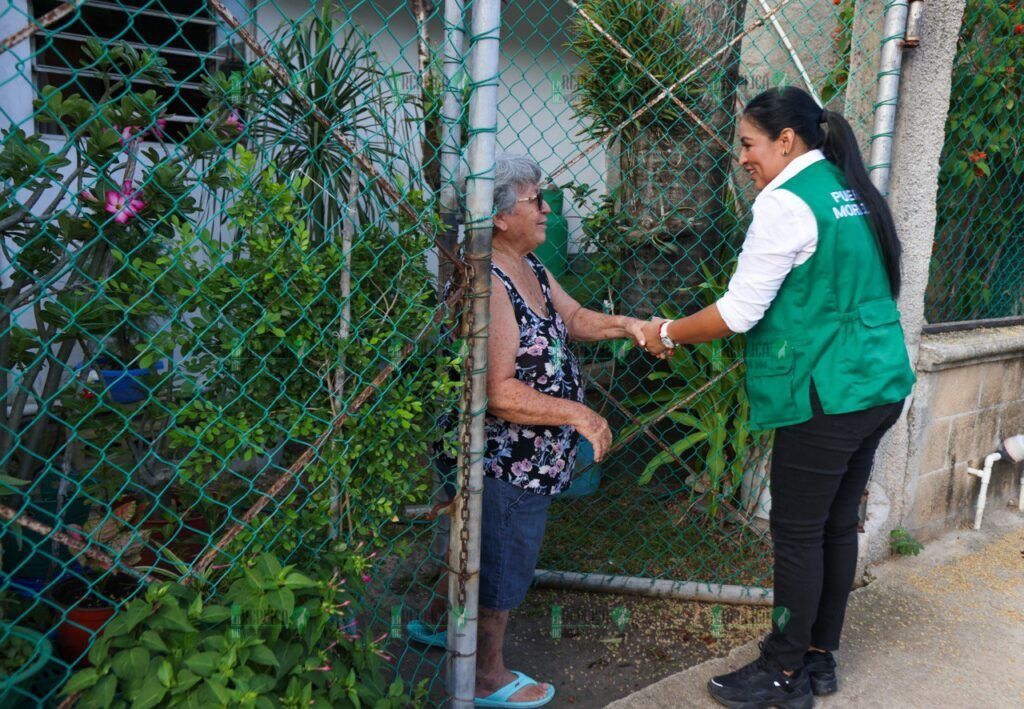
{"x": 517, "y": 402}
{"x": 589, "y": 325}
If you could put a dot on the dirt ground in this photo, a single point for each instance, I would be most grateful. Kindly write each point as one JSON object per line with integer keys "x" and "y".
{"x": 612, "y": 645}
{"x": 596, "y": 648}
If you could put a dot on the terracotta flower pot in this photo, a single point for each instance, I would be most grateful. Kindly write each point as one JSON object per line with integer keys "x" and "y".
{"x": 85, "y": 609}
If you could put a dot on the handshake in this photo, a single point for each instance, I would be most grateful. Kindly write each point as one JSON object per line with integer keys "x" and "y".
{"x": 645, "y": 333}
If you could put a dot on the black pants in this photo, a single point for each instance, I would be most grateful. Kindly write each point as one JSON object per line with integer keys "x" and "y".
{"x": 819, "y": 471}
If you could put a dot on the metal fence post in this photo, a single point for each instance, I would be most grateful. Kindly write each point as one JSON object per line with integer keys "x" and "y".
{"x": 463, "y": 583}
{"x": 880, "y": 157}
{"x": 451, "y": 127}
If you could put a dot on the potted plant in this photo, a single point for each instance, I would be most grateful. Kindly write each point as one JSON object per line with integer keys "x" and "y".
{"x": 89, "y": 601}
{"x": 272, "y": 638}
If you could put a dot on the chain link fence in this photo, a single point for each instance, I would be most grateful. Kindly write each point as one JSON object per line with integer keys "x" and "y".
{"x": 977, "y": 267}
{"x": 220, "y": 338}
{"x": 224, "y": 350}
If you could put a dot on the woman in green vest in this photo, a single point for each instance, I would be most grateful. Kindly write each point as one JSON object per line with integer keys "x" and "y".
{"x": 814, "y": 291}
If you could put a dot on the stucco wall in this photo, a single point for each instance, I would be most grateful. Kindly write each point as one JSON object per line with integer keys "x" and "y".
{"x": 918, "y": 138}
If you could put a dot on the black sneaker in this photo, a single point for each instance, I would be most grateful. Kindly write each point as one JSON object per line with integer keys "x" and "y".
{"x": 760, "y": 685}
{"x": 821, "y": 668}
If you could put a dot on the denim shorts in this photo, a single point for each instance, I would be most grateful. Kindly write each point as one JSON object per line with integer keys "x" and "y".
{"x": 512, "y": 524}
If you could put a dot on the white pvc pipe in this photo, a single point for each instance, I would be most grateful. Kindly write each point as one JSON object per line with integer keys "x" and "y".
{"x": 985, "y": 474}
{"x": 660, "y": 588}
{"x": 880, "y": 158}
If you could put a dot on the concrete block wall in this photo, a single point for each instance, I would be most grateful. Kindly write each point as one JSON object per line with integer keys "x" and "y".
{"x": 969, "y": 396}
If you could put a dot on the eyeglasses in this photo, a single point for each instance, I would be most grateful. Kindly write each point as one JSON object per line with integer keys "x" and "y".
{"x": 538, "y": 199}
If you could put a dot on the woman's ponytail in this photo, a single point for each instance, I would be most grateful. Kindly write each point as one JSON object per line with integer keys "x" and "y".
{"x": 790, "y": 107}
{"x": 840, "y": 147}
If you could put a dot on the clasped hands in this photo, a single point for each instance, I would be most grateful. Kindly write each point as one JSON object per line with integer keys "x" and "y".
{"x": 645, "y": 334}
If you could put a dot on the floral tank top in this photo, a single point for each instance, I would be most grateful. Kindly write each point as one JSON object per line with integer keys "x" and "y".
{"x": 534, "y": 457}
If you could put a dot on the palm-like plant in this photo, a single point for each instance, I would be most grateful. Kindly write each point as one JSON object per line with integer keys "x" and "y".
{"x": 611, "y": 88}
{"x": 333, "y": 65}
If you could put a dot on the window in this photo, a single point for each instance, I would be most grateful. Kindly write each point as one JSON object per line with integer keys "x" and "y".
{"x": 182, "y": 32}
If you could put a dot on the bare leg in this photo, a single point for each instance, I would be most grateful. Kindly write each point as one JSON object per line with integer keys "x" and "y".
{"x": 491, "y": 673}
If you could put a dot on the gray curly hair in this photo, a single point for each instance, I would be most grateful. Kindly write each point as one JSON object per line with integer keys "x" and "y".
{"x": 512, "y": 174}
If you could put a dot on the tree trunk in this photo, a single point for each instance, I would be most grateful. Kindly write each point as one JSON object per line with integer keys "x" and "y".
{"x": 675, "y": 177}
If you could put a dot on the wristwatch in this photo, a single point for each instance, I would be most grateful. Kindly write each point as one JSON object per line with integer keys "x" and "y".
{"x": 663, "y": 334}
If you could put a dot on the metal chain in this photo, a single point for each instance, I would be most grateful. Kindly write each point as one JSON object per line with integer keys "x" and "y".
{"x": 468, "y": 328}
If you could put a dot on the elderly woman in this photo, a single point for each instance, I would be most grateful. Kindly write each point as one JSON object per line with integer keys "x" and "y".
{"x": 536, "y": 413}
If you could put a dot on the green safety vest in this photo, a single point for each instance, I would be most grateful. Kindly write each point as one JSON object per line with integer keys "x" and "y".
{"x": 833, "y": 320}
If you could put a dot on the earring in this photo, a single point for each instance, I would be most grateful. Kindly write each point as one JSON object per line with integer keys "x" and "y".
{"x": 785, "y": 153}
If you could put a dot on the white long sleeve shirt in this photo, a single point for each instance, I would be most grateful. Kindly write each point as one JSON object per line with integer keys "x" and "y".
{"x": 782, "y": 235}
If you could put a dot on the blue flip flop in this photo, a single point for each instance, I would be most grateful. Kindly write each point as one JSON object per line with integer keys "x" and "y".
{"x": 500, "y": 698}
{"x": 423, "y": 633}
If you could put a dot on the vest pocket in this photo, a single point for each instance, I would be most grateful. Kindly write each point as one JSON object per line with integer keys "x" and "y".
{"x": 878, "y": 347}
{"x": 770, "y": 379}
{"x": 876, "y": 313}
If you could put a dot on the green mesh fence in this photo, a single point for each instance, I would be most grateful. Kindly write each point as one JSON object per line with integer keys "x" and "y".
{"x": 220, "y": 328}
{"x": 977, "y": 267}
{"x": 223, "y": 350}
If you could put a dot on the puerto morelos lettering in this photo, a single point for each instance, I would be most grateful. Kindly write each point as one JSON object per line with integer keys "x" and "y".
{"x": 851, "y": 206}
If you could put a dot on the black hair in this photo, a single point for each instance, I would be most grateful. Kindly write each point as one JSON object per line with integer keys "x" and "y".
{"x": 790, "y": 107}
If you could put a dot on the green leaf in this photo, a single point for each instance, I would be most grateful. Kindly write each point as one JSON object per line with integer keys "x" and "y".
{"x": 81, "y": 680}
{"x": 670, "y": 455}
{"x": 151, "y": 640}
{"x": 136, "y": 612}
{"x": 165, "y": 673}
{"x": 186, "y": 681}
{"x": 172, "y": 617}
{"x": 131, "y": 663}
{"x": 283, "y": 600}
{"x": 203, "y": 664}
{"x": 263, "y": 655}
{"x": 103, "y": 692}
{"x": 268, "y": 566}
{"x": 215, "y": 614}
{"x": 295, "y": 580}
{"x": 222, "y": 693}
{"x": 150, "y": 694}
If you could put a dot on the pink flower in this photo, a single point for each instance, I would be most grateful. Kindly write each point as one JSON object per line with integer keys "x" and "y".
{"x": 325, "y": 668}
{"x": 161, "y": 126}
{"x": 126, "y": 133}
{"x": 124, "y": 205}
{"x": 86, "y": 195}
{"x": 234, "y": 120}
{"x": 366, "y": 578}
